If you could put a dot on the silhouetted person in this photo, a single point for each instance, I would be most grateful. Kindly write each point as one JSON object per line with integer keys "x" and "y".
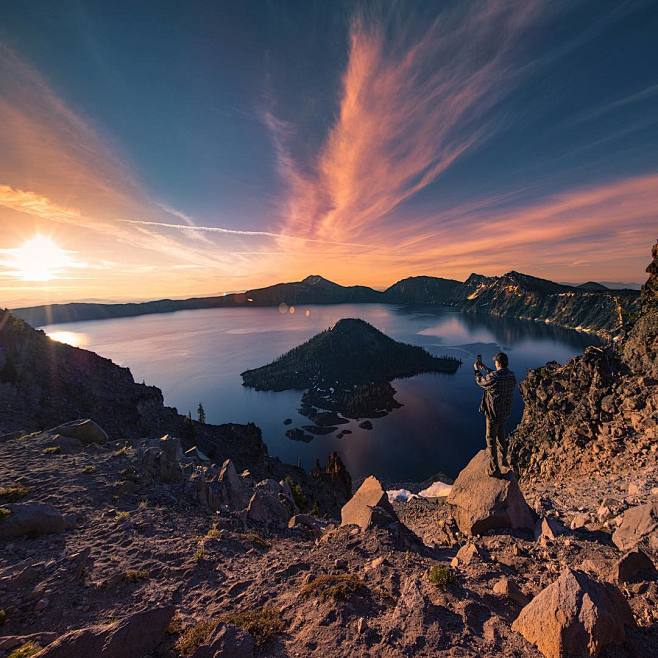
{"x": 496, "y": 405}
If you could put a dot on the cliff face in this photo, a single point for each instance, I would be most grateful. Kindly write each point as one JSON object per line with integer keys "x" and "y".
{"x": 529, "y": 298}
{"x": 599, "y": 408}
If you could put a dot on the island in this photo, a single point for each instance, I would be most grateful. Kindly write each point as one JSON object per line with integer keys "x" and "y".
{"x": 346, "y": 372}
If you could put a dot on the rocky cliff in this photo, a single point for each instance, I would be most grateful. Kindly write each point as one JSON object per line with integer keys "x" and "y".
{"x": 601, "y": 408}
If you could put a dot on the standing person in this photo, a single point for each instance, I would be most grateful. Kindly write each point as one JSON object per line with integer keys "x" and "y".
{"x": 496, "y": 405}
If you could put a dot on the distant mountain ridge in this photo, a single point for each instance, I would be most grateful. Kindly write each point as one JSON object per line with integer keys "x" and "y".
{"x": 591, "y": 306}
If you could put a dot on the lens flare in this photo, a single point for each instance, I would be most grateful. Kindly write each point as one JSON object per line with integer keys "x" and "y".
{"x": 40, "y": 259}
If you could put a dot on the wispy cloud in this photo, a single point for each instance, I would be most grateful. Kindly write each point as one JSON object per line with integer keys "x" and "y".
{"x": 412, "y": 103}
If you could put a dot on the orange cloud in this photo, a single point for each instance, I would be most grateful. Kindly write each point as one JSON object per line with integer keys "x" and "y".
{"x": 411, "y": 105}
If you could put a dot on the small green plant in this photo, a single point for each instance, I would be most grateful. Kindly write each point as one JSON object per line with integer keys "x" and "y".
{"x": 192, "y": 638}
{"x": 213, "y": 533}
{"x": 52, "y": 450}
{"x": 3, "y": 617}
{"x": 297, "y": 494}
{"x": 25, "y": 650}
{"x": 333, "y": 586}
{"x": 441, "y": 575}
{"x": 200, "y": 552}
{"x": 255, "y": 539}
{"x": 4, "y": 513}
{"x": 262, "y": 623}
{"x": 121, "y": 516}
{"x": 135, "y": 575}
{"x": 90, "y": 468}
{"x": 315, "y": 510}
{"x": 13, "y": 493}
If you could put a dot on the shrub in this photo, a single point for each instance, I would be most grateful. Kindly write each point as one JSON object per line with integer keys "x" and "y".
{"x": 52, "y": 450}
{"x": 262, "y": 624}
{"x": 121, "y": 516}
{"x": 333, "y": 586}
{"x": 25, "y": 650}
{"x": 441, "y": 575}
{"x": 4, "y": 513}
{"x": 12, "y": 494}
{"x": 297, "y": 494}
{"x": 200, "y": 552}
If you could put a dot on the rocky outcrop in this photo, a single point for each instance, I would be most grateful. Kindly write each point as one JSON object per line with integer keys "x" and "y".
{"x": 480, "y": 502}
{"x": 136, "y": 635}
{"x": 599, "y": 408}
{"x": 29, "y": 519}
{"x": 271, "y": 505}
{"x": 575, "y": 616}
{"x": 85, "y": 430}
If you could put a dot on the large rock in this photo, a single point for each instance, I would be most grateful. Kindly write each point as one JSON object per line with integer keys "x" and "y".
{"x": 31, "y": 519}
{"x": 269, "y": 505}
{"x": 368, "y": 507}
{"x": 85, "y": 430}
{"x": 575, "y": 616}
{"x": 227, "y": 641}
{"x": 163, "y": 462}
{"x": 633, "y": 567}
{"x": 236, "y": 491}
{"x": 135, "y": 636}
{"x": 637, "y": 523}
{"x": 481, "y": 502}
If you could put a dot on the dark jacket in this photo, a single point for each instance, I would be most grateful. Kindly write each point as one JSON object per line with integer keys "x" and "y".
{"x": 498, "y": 388}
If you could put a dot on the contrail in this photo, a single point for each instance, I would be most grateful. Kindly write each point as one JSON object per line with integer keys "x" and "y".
{"x": 232, "y": 231}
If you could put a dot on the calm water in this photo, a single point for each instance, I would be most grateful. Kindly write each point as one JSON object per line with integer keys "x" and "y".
{"x": 197, "y": 356}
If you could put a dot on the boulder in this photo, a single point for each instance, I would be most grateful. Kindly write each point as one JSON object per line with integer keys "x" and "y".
{"x": 236, "y": 490}
{"x": 637, "y": 523}
{"x": 510, "y": 590}
{"x": 549, "y": 528}
{"x": 163, "y": 462}
{"x": 575, "y": 616}
{"x": 368, "y": 507}
{"x": 85, "y": 430}
{"x": 31, "y": 519}
{"x": 133, "y": 637}
{"x": 227, "y": 641}
{"x": 480, "y": 502}
{"x": 467, "y": 554}
{"x": 269, "y": 505}
{"x": 633, "y": 567}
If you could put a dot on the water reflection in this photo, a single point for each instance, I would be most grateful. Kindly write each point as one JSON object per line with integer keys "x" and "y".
{"x": 75, "y": 338}
{"x": 197, "y": 356}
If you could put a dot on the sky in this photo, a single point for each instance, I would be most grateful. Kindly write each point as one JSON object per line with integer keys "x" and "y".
{"x": 172, "y": 149}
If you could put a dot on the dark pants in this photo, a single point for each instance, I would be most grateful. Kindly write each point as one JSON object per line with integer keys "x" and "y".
{"x": 496, "y": 440}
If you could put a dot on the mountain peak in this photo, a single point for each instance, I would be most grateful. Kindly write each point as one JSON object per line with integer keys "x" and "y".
{"x": 317, "y": 280}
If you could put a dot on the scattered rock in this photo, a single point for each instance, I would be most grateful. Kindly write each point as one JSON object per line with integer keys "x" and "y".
{"x": 579, "y": 520}
{"x": 31, "y": 519}
{"x": 636, "y": 524}
{"x": 481, "y": 502}
{"x": 575, "y": 616}
{"x": 466, "y": 555}
{"x": 549, "y": 528}
{"x": 509, "y": 589}
{"x": 86, "y": 431}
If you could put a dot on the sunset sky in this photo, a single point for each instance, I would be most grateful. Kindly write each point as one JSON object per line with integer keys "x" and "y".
{"x": 187, "y": 148}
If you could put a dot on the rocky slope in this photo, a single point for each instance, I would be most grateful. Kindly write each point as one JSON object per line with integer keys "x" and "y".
{"x": 600, "y": 410}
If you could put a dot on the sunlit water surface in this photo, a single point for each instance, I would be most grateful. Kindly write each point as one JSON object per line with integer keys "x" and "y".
{"x": 197, "y": 356}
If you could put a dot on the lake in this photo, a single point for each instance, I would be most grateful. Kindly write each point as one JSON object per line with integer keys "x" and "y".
{"x": 197, "y": 356}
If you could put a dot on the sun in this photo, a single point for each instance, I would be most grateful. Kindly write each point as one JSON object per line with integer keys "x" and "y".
{"x": 40, "y": 259}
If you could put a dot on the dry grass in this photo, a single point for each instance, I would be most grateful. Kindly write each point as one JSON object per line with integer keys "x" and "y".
{"x": 194, "y": 637}
{"x": 333, "y": 586}
{"x": 52, "y": 450}
{"x": 3, "y": 617}
{"x": 89, "y": 469}
{"x": 25, "y": 650}
{"x": 262, "y": 623}
{"x": 441, "y": 575}
{"x": 4, "y": 513}
{"x": 13, "y": 493}
{"x": 255, "y": 539}
{"x": 121, "y": 516}
{"x": 135, "y": 575}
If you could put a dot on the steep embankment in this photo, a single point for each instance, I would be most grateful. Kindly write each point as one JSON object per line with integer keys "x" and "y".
{"x": 600, "y": 410}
